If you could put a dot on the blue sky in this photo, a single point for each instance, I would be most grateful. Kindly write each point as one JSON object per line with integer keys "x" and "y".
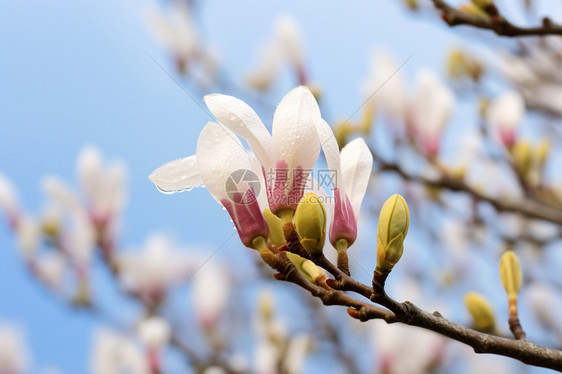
{"x": 80, "y": 72}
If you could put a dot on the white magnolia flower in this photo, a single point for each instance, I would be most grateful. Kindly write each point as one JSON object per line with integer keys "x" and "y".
{"x": 28, "y": 234}
{"x": 429, "y": 111}
{"x": 505, "y": 114}
{"x": 154, "y": 332}
{"x": 263, "y": 76}
{"x": 50, "y": 268}
{"x": 266, "y": 357}
{"x": 387, "y": 82}
{"x": 284, "y": 46}
{"x": 9, "y": 201}
{"x": 404, "y": 349}
{"x": 176, "y": 30}
{"x": 116, "y": 354}
{"x": 284, "y": 159}
{"x": 352, "y": 168}
{"x": 211, "y": 288}
{"x": 79, "y": 237}
{"x": 232, "y": 165}
{"x": 289, "y": 41}
{"x": 14, "y": 357}
{"x": 296, "y": 354}
{"x": 151, "y": 271}
{"x": 287, "y": 155}
{"x": 104, "y": 185}
{"x": 546, "y": 307}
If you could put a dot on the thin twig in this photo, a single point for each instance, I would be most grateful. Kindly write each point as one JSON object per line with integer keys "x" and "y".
{"x": 500, "y": 26}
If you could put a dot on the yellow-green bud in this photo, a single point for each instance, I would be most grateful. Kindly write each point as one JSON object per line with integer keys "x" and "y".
{"x": 275, "y": 225}
{"x": 542, "y": 151}
{"x": 475, "y": 11}
{"x": 342, "y": 132}
{"x": 394, "y": 220}
{"x": 266, "y": 305}
{"x": 511, "y": 277}
{"x": 522, "y": 157}
{"x": 310, "y": 223}
{"x": 456, "y": 63}
{"x": 412, "y": 4}
{"x": 481, "y": 312}
{"x": 483, "y": 4}
{"x": 368, "y": 117}
{"x": 307, "y": 268}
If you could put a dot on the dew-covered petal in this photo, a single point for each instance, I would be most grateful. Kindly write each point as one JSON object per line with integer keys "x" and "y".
{"x": 356, "y": 164}
{"x": 178, "y": 175}
{"x": 244, "y": 122}
{"x": 331, "y": 151}
{"x": 219, "y": 154}
{"x": 295, "y": 138}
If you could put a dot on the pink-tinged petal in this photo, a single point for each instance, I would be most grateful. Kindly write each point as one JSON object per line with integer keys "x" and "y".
{"x": 432, "y": 104}
{"x": 344, "y": 224}
{"x": 331, "y": 151}
{"x": 244, "y": 122}
{"x": 220, "y": 159}
{"x": 219, "y": 154}
{"x": 285, "y": 187}
{"x": 178, "y": 175}
{"x": 505, "y": 114}
{"x": 257, "y": 169}
{"x": 357, "y": 164}
{"x": 295, "y": 138}
{"x": 247, "y": 216}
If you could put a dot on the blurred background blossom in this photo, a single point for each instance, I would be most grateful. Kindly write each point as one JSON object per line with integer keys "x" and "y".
{"x": 103, "y": 274}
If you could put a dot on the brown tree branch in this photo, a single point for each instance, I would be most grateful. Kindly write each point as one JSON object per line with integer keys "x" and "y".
{"x": 407, "y": 312}
{"x": 501, "y": 26}
{"x": 526, "y": 207}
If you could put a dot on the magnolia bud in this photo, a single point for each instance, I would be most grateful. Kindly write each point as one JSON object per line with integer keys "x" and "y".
{"x": 522, "y": 157}
{"x": 342, "y": 132}
{"x": 511, "y": 277}
{"x": 483, "y": 4}
{"x": 475, "y": 11}
{"x": 275, "y": 225}
{"x": 310, "y": 223}
{"x": 542, "y": 151}
{"x": 307, "y": 268}
{"x": 394, "y": 220}
{"x": 481, "y": 312}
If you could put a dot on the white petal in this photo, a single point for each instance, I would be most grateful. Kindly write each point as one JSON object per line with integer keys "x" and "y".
{"x": 356, "y": 164}
{"x": 289, "y": 39}
{"x": 386, "y": 78}
{"x": 178, "y": 175}
{"x": 266, "y": 72}
{"x": 433, "y": 103}
{"x": 175, "y": 30}
{"x": 261, "y": 195}
{"x": 211, "y": 289}
{"x": 9, "y": 201}
{"x": 89, "y": 169}
{"x": 506, "y": 110}
{"x": 331, "y": 151}
{"x": 61, "y": 195}
{"x": 154, "y": 332}
{"x": 219, "y": 154}
{"x": 244, "y": 122}
{"x": 295, "y": 138}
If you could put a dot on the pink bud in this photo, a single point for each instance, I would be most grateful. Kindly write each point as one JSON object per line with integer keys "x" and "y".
{"x": 344, "y": 225}
{"x": 247, "y": 216}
